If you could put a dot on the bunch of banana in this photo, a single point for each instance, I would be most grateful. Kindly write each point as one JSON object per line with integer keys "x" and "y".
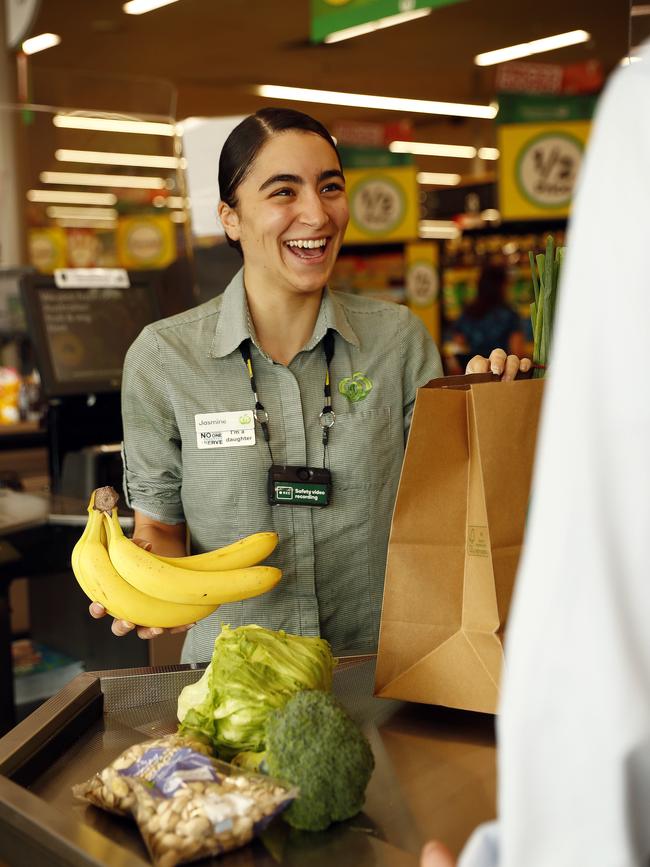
{"x": 139, "y": 586}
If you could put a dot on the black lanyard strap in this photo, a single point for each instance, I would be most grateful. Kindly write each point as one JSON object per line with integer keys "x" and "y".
{"x": 326, "y": 418}
{"x": 261, "y": 415}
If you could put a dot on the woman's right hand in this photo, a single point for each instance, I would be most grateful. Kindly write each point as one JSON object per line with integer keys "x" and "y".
{"x": 123, "y": 627}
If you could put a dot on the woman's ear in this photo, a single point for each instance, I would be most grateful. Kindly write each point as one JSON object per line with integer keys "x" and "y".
{"x": 229, "y": 220}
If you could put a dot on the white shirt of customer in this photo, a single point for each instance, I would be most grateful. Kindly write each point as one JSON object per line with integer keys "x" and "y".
{"x": 574, "y": 728}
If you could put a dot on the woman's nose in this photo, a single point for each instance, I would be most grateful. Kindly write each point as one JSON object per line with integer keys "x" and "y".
{"x": 313, "y": 213}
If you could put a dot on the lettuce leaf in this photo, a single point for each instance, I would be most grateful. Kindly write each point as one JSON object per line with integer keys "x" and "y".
{"x": 253, "y": 672}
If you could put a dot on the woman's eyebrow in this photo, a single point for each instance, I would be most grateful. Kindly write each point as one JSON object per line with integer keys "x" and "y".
{"x": 331, "y": 173}
{"x": 296, "y": 179}
{"x": 281, "y": 179}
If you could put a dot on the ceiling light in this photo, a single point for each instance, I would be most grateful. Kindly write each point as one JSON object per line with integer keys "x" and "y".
{"x": 40, "y": 42}
{"x": 177, "y": 202}
{"x": 71, "y": 198}
{"x": 56, "y": 211}
{"x": 91, "y": 180}
{"x": 110, "y": 124}
{"x": 379, "y": 24}
{"x": 537, "y": 46}
{"x": 488, "y": 153}
{"x": 79, "y": 223}
{"x": 438, "y": 229}
{"x": 138, "y": 7}
{"x": 432, "y": 150}
{"x": 490, "y": 215}
{"x": 441, "y": 178}
{"x": 386, "y": 103}
{"x": 113, "y": 159}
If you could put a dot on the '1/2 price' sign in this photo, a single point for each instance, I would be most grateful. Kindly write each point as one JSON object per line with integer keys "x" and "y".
{"x": 383, "y": 204}
{"x": 538, "y": 168}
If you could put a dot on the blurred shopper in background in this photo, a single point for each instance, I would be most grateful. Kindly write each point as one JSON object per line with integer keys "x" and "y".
{"x": 488, "y": 321}
{"x": 574, "y": 727}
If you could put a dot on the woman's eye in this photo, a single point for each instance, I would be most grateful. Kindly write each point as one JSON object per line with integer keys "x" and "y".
{"x": 285, "y": 191}
{"x": 333, "y": 187}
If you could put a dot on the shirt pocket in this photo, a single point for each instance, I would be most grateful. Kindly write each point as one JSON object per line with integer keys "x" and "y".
{"x": 359, "y": 450}
{"x": 218, "y": 479}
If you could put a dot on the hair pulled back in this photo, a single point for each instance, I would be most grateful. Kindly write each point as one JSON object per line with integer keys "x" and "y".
{"x": 246, "y": 140}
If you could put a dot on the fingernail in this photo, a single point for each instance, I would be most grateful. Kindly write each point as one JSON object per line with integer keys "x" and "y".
{"x": 156, "y": 631}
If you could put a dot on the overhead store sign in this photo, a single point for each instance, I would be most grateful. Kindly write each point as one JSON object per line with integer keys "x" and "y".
{"x": 359, "y": 133}
{"x": 540, "y": 161}
{"x": 383, "y": 205}
{"x": 331, "y": 16}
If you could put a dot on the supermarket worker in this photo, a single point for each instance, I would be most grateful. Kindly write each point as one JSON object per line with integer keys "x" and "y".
{"x": 333, "y": 378}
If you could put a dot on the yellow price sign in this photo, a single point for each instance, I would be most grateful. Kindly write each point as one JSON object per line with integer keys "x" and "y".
{"x": 539, "y": 167}
{"x": 383, "y": 205}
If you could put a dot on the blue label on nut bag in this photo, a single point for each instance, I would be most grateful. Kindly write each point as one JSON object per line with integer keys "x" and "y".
{"x": 166, "y": 770}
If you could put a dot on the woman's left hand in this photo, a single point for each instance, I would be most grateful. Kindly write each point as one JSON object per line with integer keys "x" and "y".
{"x": 504, "y": 365}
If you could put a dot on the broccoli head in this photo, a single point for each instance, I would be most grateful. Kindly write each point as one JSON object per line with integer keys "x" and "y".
{"x": 312, "y": 743}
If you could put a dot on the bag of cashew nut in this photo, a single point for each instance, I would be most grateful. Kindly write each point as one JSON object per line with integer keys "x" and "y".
{"x": 187, "y": 804}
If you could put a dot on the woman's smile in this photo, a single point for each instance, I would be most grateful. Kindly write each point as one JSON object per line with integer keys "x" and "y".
{"x": 310, "y": 251}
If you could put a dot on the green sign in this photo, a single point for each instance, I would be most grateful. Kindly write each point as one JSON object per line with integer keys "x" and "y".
{"x": 540, "y": 108}
{"x": 330, "y": 16}
{"x": 371, "y": 158}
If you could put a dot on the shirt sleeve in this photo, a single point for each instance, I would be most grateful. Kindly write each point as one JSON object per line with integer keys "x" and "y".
{"x": 420, "y": 360}
{"x": 151, "y": 451}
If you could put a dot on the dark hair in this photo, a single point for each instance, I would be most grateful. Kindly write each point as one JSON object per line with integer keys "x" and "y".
{"x": 245, "y": 142}
{"x": 490, "y": 294}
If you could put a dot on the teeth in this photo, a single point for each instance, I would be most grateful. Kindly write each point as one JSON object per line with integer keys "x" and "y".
{"x": 310, "y": 245}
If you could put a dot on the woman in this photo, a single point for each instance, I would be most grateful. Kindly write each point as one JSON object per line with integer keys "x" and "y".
{"x": 274, "y": 339}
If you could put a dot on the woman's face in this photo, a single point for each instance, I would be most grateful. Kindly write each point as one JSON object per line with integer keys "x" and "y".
{"x": 292, "y": 212}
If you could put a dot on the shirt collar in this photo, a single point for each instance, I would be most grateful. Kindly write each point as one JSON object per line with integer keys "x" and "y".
{"x": 234, "y": 325}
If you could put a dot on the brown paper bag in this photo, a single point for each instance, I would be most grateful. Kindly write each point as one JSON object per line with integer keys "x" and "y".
{"x": 455, "y": 541}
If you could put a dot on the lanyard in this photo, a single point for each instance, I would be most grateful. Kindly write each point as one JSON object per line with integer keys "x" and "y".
{"x": 327, "y": 416}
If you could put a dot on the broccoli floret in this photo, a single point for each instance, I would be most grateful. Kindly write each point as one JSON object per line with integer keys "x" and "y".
{"x": 312, "y": 743}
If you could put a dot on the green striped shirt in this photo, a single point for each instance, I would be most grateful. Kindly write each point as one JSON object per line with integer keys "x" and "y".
{"x": 333, "y": 559}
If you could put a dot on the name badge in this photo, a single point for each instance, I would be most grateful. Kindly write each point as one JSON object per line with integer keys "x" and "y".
{"x": 223, "y": 430}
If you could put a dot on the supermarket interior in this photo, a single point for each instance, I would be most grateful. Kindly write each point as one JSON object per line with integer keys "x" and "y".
{"x": 461, "y": 127}
{"x": 455, "y": 160}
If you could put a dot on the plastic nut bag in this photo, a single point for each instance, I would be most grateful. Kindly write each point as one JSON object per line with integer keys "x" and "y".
{"x": 187, "y": 804}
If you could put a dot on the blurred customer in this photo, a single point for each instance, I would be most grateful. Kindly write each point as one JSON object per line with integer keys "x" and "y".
{"x": 488, "y": 321}
{"x": 574, "y": 730}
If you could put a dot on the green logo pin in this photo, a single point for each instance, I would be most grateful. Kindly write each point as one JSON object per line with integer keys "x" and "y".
{"x": 244, "y": 419}
{"x": 356, "y": 387}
